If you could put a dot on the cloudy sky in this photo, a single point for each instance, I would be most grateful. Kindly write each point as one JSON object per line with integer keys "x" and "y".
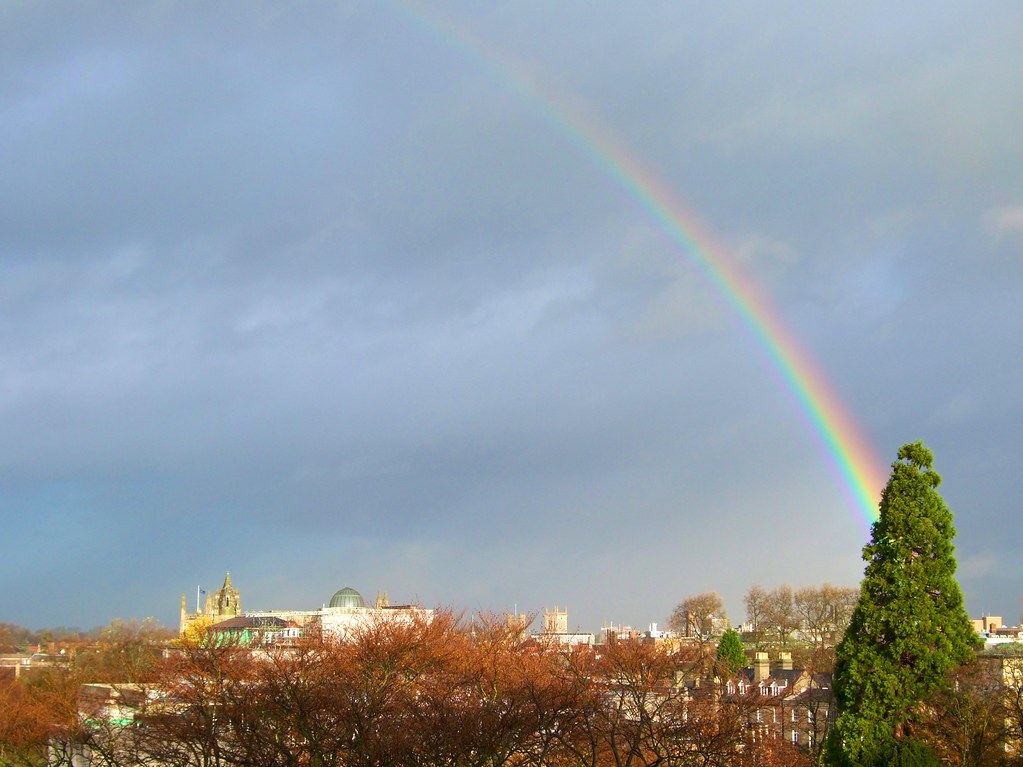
{"x": 323, "y": 294}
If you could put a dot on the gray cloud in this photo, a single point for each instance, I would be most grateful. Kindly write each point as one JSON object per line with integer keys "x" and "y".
{"x": 316, "y": 295}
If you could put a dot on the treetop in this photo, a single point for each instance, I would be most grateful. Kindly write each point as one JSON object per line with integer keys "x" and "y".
{"x": 917, "y": 456}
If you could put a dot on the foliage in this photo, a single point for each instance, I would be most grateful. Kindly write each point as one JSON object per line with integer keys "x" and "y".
{"x": 32, "y": 710}
{"x": 14, "y": 637}
{"x": 907, "y": 753}
{"x": 196, "y": 631}
{"x": 909, "y": 628}
{"x": 730, "y": 655}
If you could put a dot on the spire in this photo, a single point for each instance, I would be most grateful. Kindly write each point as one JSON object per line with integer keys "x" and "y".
{"x": 227, "y": 580}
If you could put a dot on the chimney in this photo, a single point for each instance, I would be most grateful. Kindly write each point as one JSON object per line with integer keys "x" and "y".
{"x": 761, "y": 667}
{"x": 785, "y": 661}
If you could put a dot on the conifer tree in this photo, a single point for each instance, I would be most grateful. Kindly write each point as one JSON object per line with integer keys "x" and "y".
{"x": 730, "y": 655}
{"x": 909, "y": 627}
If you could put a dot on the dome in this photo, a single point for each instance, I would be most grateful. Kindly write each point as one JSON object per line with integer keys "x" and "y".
{"x": 347, "y": 598}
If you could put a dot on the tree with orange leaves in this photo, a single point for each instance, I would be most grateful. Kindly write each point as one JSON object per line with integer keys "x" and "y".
{"x": 36, "y": 710}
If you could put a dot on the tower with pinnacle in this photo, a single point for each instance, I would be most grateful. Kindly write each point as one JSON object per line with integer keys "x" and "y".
{"x": 224, "y": 603}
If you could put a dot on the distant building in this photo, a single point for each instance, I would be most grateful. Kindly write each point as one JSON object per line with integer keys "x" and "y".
{"x": 616, "y": 633}
{"x": 991, "y": 629}
{"x": 555, "y": 630}
{"x": 347, "y": 611}
{"x": 248, "y": 631}
{"x": 987, "y": 624}
{"x": 12, "y": 665}
{"x": 224, "y": 603}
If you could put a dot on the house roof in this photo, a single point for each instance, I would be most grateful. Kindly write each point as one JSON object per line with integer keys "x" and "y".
{"x": 253, "y": 622}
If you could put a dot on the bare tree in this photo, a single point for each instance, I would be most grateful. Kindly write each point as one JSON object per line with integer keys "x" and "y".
{"x": 756, "y": 613}
{"x": 824, "y": 612}
{"x": 699, "y": 616}
{"x": 201, "y": 688}
{"x": 968, "y": 723}
{"x": 125, "y": 651}
{"x": 292, "y": 709}
{"x": 780, "y": 613}
{"x": 630, "y": 711}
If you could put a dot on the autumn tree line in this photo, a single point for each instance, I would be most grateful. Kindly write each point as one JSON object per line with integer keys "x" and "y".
{"x": 445, "y": 692}
{"x": 452, "y": 692}
{"x": 622, "y": 703}
{"x": 440, "y": 691}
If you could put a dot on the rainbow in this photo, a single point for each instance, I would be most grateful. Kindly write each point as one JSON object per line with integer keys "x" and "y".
{"x": 848, "y": 451}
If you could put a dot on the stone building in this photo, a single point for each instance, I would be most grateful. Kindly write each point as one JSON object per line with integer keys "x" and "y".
{"x": 555, "y": 630}
{"x": 347, "y": 611}
{"x": 222, "y": 604}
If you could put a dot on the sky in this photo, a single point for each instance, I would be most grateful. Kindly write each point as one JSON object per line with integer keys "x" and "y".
{"x": 345, "y": 294}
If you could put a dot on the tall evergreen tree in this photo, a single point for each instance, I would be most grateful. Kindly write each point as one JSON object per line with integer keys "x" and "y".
{"x": 730, "y": 655}
{"x": 909, "y": 627}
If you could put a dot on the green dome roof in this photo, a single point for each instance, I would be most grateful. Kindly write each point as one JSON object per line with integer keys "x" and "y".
{"x": 347, "y": 597}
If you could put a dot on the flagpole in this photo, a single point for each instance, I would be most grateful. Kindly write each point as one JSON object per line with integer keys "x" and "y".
{"x": 198, "y": 609}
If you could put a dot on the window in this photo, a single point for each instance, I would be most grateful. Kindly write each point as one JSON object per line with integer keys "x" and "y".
{"x": 795, "y": 738}
{"x": 795, "y": 715}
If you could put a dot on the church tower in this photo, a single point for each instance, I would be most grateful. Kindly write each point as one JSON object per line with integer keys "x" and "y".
{"x": 224, "y": 603}
{"x": 227, "y": 602}
{"x": 555, "y": 621}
